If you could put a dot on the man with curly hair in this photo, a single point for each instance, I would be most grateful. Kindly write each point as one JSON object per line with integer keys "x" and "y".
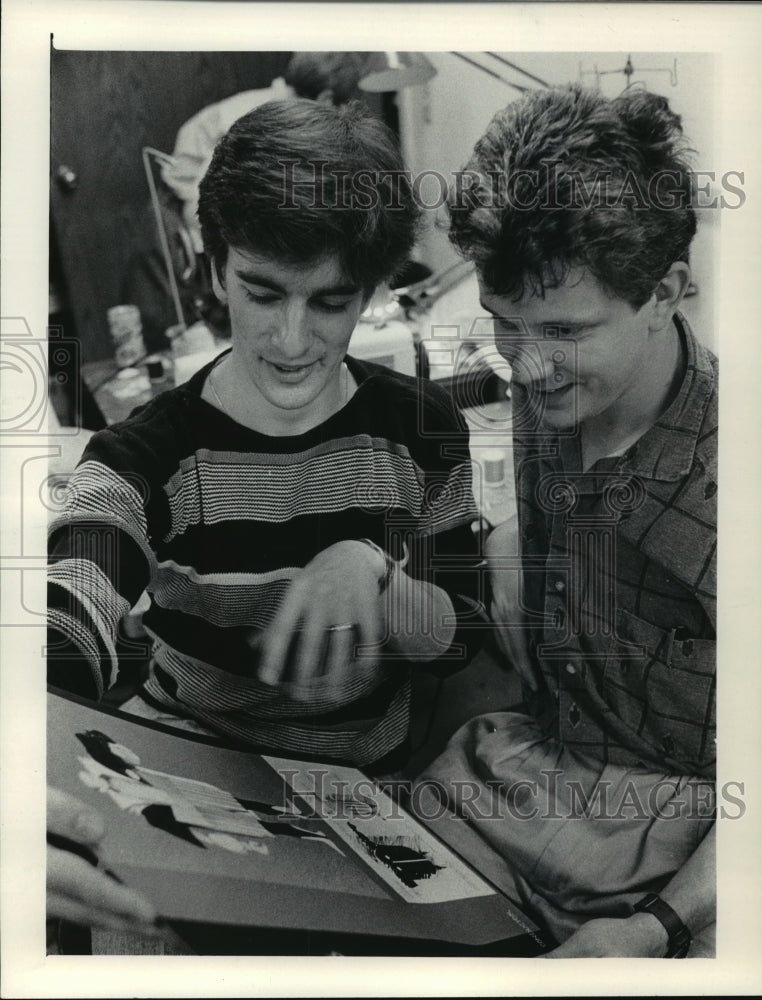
{"x": 598, "y": 793}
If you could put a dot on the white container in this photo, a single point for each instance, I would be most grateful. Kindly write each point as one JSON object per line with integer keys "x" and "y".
{"x": 127, "y": 334}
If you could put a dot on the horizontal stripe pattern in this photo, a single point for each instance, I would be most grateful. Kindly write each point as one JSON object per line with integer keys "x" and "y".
{"x": 214, "y": 520}
{"x": 204, "y": 683}
{"x": 85, "y": 581}
{"x": 242, "y": 721}
{"x": 75, "y": 629}
{"x": 223, "y": 599}
{"x": 216, "y": 486}
{"x": 451, "y": 505}
{"x": 96, "y": 489}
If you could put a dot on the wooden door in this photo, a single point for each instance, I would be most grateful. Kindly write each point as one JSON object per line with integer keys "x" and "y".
{"x": 105, "y": 106}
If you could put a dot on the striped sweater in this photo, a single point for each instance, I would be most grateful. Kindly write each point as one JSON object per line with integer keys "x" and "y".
{"x": 213, "y": 520}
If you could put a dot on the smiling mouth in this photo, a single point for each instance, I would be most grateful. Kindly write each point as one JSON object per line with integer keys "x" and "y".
{"x": 548, "y": 390}
{"x": 291, "y": 370}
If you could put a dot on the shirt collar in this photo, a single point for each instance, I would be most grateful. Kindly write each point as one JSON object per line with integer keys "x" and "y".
{"x": 666, "y": 450}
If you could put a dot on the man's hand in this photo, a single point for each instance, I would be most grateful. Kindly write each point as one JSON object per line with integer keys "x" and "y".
{"x": 638, "y": 936}
{"x": 77, "y": 890}
{"x": 503, "y": 552}
{"x": 332, "y": 607}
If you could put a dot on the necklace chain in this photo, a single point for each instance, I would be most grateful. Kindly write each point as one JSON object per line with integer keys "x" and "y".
{"x": 214, "y": 390}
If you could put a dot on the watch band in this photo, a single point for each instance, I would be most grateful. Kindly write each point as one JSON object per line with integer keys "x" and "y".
{"x": 679, "y": 937}
{"x": 389, "y": 564}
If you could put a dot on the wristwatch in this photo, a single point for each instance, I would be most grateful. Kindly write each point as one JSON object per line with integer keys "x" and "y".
{"x": 678, "y": 934}
{"x": 390, "y": 565}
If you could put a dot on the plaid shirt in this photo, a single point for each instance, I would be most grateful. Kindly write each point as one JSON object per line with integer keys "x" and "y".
{"x": 619, "y": 581}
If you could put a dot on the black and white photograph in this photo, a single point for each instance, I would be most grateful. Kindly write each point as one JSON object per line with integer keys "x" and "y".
{"x": 378, "y": 546}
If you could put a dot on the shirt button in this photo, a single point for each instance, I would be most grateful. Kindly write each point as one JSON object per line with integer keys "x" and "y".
{"x": 570, "y": 668}
{"x": 560, "y": 586}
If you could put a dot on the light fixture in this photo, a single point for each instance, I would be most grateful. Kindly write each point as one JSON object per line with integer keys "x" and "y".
{"x": 386, "y": 71}
{"x": 389, "y": 71}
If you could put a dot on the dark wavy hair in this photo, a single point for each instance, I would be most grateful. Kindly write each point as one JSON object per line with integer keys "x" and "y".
{"x": 565, "y": 177}
{"x": 296, "y": 179}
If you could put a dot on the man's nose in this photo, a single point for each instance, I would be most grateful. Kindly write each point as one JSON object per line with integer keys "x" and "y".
{"x": 292, "y": 335}
{"x": 533, "y": 361}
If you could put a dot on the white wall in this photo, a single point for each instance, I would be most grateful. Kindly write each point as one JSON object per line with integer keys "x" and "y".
{"x": 441, "y": 121}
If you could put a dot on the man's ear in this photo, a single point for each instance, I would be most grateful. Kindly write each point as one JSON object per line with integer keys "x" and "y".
{"x": 217, "y": 285}
{"x": 668, "y": 295}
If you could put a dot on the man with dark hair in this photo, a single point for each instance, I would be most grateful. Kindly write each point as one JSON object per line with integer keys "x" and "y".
{"x": 317, "y": 192}
{"x": 599, "y": 792}
{"x": 289, "y": 509}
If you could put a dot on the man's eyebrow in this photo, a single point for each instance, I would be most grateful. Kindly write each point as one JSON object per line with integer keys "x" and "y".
{"x": 515, "y": 320}
{"x": 253, "y": 278}
{"x": 520, "y": 323}
{"x": 347, "y": 289}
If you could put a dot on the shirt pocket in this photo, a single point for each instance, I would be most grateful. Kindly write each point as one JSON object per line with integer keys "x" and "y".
{"x": 662, "y": 684}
